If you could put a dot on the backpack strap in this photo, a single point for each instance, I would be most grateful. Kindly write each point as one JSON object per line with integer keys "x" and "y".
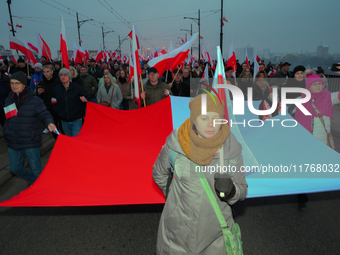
{"x": 172, "y": 159}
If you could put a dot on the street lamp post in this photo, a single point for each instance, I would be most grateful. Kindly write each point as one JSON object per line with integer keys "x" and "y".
{"x": 105, "y": 33}
{"x": 79, "y": 23}
{"x": 190, "y": 33}
{"x": 221, "y": 34}
{"x": 198, "y": 21}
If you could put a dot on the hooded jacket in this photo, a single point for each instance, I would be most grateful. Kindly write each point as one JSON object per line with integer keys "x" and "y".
{"x": 188, "y": 224}
{"x": 23, "y": 131}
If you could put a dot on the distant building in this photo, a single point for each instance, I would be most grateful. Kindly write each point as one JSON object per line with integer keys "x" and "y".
{"x": 241, "y": 53}
{"x": 5, "y": 53}
{"x": 266, "y": 53}
{"x": 92, "y": 53}
{"x": 322, "y": 51}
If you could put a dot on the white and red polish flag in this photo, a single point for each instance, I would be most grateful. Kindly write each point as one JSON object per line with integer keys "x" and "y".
{"x": 232, "y": 59}
{"x": 29, "y": 55}
{"x": 10, "y": 111}
{"x": 256, "y": 66}
{"x": 53, "y": 100}
{"x": 136, "y": 33}
{"x": 202, "y": 57}
{"x": 137, "y": 68}
{"x": 78, "y": 54}
{"x": 32, "y": 46}
{"x": 100, "y": 54}
{"x": 87, "y": 55}
{"x": 247, "y": 60}
{"x": 170, "y": 60}
{"x": 155, "y": 53}
{"x": 206, "y": 73}
{"x": 63, "y": 44}
{"x": 10, "y": 24}
{"x": 209, "y": 59}
{"x": 124, "y": 58}
{"x": 131, "y": 69}
{"x": 43, "y": 48}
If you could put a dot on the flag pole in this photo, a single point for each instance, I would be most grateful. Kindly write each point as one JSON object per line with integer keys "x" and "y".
{"x": 141, "y": 81}
{"x": 176, "y": 73}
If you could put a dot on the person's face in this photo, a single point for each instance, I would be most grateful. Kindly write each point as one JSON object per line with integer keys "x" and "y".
{"x": 43, "y": 60}
{"x": 229, "y": 73}
{"x": 247, "y": 72}
{"x": 121, "y": 68}
{"x": 21, "y": 64}
{"x": 143, "y": 71}
{"x": 196, "y": 65}
{"x": 118, "y": 73}
{"x": 244, "y": 66}
{"x": 37, "y": 69}
{"x": 316, "y": 87}
{"x": 122, "y": 74}
{"x": 186, "y": 73}
{"x": 153, "y": 77}
{"x": 72, "y": 72}
{"x": 10, "y": 64}
{"x": 17, "y": 86}
{"x": 106, "y": 71}
{"x": 299, "y": 75}
{"x": 83, "y": 71}
{"x": 178, "y": 77}
{"x": 64, "y": 78}
{"x": 320, "y": 74}
{"x": 104, "y": 65}
{"x": 48, "y": 73}
{"x": 57, "y": 67}
{"x": 93, "y": 64}
{"x": 205, "y": 125}
{"x": 262, "y": 67}
{"x": 285, "y": 68}
{"x": 261, "y": 75}
{"x": 78, "y": 67}
{"x": 107, "y": 79}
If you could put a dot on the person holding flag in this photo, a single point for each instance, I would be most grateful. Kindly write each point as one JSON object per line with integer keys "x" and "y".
{"x": 179, "y": 88}
{"x": 24, "y": 112}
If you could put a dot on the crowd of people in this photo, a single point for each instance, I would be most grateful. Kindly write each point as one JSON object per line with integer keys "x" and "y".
{"x": 54, "y": 97}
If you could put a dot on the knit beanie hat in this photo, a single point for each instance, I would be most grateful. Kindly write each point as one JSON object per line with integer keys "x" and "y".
{"x": 39, "y": 65}
{"x": 310, "y": 79}
{"x": 298, "y": 68}
{"x": 195, "y": 106}
{"x": 20, "y": 76}
{"x": 64, "y": 70}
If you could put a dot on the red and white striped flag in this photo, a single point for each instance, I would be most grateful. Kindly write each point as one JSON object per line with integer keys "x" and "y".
{"x": 1, "y": 58}
{"x": 170, "y": 60}
{"x": 206, "y": 73}
{"x": 63, "y": 44}
{"x": 43, "y": 48}
{"x": 10, "y": 24}
{"x": 10, "y": 111}
{"x": 53, "y": 100}
{"x": 32, "y": 46}
{"x": 16, "y": 44}
{"x": 247, "y": 60}
{"x": 232, "y": 59}
{"x": 29, "y": 55}
{"x": 209, "y": 59}
{"x": 131, "y": 69}
{"x": 136, "y": 32}
{"x": 137, "y": 68}
{"x": 100, "y": 54}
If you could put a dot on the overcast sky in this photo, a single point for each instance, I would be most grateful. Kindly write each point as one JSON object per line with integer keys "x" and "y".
{"x": 282, "y": 26}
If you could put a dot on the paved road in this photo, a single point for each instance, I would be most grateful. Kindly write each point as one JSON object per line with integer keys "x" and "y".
{"x": 270, "y": 226}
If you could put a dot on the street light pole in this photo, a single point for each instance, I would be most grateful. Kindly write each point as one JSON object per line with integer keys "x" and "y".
{"x": 79, "y": 23}
{"x": 10, "y": 16}
{"x": 105, "y": 33}
{"x": 198, "y": 21}
{"x": 221, "y": 34}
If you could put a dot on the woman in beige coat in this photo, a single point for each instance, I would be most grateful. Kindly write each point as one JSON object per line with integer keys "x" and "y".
{"x": 188, "y": 224}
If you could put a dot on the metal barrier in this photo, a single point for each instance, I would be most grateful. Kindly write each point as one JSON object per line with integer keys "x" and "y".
{"x": 333, "y": 81}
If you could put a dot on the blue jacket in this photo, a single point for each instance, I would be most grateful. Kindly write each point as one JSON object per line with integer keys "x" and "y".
{"x": 69, "y": 107}
{"x": 35, "y": 79}
{"x": 24, "y": 131}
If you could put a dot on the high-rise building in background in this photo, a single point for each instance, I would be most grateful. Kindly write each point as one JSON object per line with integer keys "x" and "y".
{"x": 241, "y": 53}
{"x": 266, "y": 53}
{"x": 322, "y": 51}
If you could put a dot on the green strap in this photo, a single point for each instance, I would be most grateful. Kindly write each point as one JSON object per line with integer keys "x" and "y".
{"x": 212, "y": 199}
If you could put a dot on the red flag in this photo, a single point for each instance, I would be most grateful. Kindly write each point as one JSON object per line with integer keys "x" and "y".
{"x": 182, "y": 40}
{"x": 131, "y": 69}
{"x": 18, "y": 26}
{"x": 209, "y": 59}
{"x": 29, "y": 56}
{"x": 202, "y": 57}
{"x": 257, "y": 58}
{"x": 100, "y": 54}
{"x": 224, "y": 19}
{"x": 201, "y": 37}
{"x": 10, "y": 24}
{"x": 16, "y": 44}
{"x": 1, "y": 58}
{"x": 232, "y": 59}
{"x": 222, "y": 22}
{"x": 43, "y": 48}
{"x": 170, "y": 60}
{"x": 63, "y": 45}
{"x": 13, "y": 58}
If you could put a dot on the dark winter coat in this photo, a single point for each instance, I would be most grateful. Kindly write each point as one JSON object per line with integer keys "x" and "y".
{"x": 94, "y": 71}
{"x": 48, "y": 86}
{"x": 180, "y": 89}
{"x": 69, "y": 107}
{"x": 155, "y": 93}
{"x": 89, "y": 82}
{"x": 78, "y": 80}
{"x": 23, "y": 131}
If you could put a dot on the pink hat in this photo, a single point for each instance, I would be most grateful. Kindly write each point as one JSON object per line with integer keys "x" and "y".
{"x": 310, "y": 79}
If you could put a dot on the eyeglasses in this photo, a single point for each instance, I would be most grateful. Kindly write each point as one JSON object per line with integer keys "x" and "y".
{"x": 16, "y": 83}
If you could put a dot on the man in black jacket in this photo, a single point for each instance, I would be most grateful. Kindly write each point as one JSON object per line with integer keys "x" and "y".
{"x": 179, "y": 88}
{"x": 69, "y": 103}
{"x": 24, "y": 112}
{"x": 45, "y": 92}
{"x": 5, "y": 88}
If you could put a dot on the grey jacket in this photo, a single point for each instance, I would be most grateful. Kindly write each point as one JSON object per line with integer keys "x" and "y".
{"x": 117, "y": 98}
{"x": 188, "y": 223}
